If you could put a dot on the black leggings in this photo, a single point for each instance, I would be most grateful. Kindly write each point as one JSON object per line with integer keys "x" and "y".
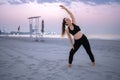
{"x": 82, "y": 41}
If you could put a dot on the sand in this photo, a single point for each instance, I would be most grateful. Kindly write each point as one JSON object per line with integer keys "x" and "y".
{"x": 24, "y": 59}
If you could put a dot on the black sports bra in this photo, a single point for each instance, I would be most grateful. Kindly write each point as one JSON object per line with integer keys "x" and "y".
{"x": 75, "y": 30}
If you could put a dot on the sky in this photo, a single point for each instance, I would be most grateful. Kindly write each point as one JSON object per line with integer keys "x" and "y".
{"x": 93, "y": 16}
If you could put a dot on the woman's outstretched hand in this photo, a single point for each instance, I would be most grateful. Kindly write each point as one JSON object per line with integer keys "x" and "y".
{"x": 63, "y": 7}
{"x": 73, "y": 47}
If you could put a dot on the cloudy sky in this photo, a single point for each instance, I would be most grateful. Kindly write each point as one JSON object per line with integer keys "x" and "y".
{"x": 93, "y": 16}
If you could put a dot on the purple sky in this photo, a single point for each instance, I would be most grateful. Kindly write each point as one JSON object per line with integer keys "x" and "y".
{"x": 93, "y": 16}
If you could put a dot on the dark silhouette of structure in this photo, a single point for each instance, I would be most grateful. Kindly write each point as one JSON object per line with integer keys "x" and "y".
{"x": 34, "y": 26}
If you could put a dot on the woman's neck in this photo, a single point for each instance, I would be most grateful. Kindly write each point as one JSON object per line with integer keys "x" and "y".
{"x": 71, "y": 26}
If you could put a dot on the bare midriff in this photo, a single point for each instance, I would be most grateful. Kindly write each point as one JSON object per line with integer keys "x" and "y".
{"x": 78, "y": 35}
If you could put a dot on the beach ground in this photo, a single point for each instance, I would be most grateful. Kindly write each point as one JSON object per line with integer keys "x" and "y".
{"x": 25, "y": 59}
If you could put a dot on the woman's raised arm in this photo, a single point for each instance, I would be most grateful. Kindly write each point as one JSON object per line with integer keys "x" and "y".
{"x": 70, "y": 13}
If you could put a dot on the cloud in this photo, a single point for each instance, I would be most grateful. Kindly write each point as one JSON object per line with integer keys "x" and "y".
{"x": 42, "y": 1}
{"x": 15, "y": 1}
{"x": 99, "y": 2}
{"x": 3, "y": 2}
{"x": 68, "y": 2}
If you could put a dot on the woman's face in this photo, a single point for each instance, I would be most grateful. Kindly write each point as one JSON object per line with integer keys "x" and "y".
{"x": 68, "y": 21}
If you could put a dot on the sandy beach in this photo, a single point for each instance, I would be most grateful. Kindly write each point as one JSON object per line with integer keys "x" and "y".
{"x": 24, "y": 59}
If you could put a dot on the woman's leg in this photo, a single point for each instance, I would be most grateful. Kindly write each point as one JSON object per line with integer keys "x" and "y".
{"x": 87, "y": 47}
{"x": 77, "y": 44}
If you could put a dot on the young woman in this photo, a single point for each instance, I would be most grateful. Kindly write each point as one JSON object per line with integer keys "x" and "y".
{"x": 79, "y": 37}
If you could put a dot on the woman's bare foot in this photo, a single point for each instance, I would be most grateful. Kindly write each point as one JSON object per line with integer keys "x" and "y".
{"x": 93, "y": 64}
{"x": 69, "y": 65}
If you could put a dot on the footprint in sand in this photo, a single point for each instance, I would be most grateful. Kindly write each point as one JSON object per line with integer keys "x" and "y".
{"x": 21, "y": 77}
{"x": 31, "y": 57}
{"x": 31, "y": 66}
{"x": 108, "y": 77}
{"x": 16, "y": 78}
{"x": 20, "y": 61}
{"x": 35, "y": 72}
{"x": 16, "y": 57}
{"x": 10, "y": 55}
{"x": 2, "y": 76}
{"x": 30, "y": 78}
{"x": 111, "y": 74}
{"x": 4, "y": 64}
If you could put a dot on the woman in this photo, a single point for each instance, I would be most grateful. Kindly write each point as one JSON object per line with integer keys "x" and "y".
{"x": 79, "y": 38}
